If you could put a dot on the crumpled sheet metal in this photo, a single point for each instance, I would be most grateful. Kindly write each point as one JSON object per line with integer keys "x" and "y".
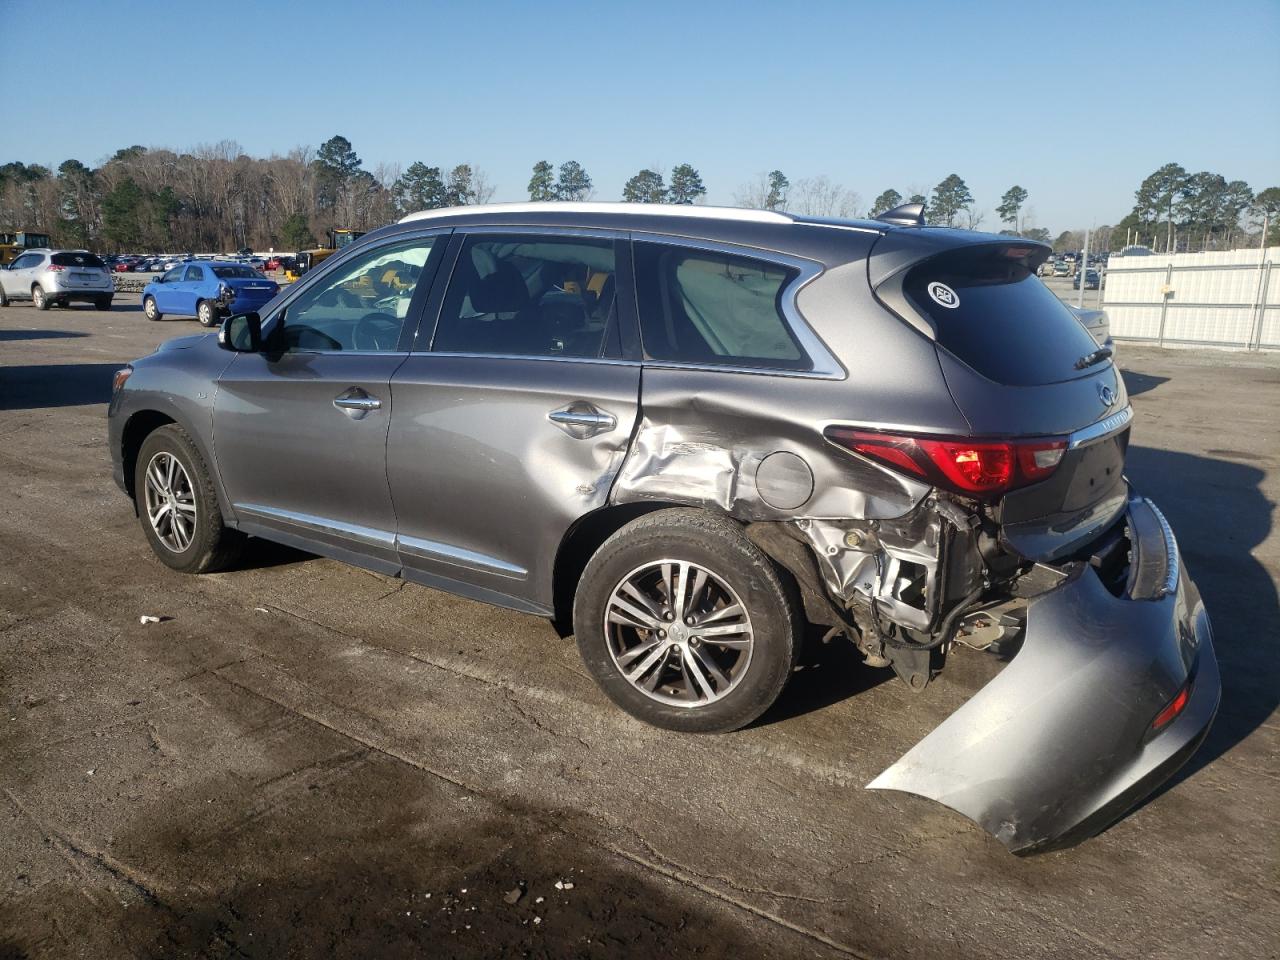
{"x": 1056, "y": 747}
{"x": 666, "y": 462}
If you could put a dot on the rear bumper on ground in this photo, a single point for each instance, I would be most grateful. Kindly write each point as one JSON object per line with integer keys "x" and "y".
{"x": 1060, "y": 744}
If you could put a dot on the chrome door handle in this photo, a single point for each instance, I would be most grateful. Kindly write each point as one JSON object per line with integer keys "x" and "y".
{"x": 582, "y": 420}
{"x": 355, "y": 403}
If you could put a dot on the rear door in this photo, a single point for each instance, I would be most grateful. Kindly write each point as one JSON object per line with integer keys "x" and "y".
{"x": 513, "y": 411}
{"x": 300, "y": 430}
{"x": 1020, "y": 363}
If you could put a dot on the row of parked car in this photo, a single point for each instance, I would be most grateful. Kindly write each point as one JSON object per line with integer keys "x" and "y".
{"x": 135, "y": 263}
{"x": 205, "y": 289}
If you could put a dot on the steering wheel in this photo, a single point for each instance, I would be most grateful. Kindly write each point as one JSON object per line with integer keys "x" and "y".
{"x": 375, "y": 331}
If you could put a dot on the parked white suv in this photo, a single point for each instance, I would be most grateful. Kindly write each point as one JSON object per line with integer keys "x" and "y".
{"x": 46, "y": 277}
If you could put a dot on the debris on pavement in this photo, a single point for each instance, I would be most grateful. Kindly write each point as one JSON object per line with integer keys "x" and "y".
{"x": 513, "y": 895}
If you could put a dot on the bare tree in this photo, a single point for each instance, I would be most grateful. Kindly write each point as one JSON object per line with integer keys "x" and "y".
{"x": 821, "y": 197}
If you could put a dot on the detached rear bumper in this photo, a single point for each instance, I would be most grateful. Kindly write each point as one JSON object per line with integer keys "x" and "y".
{"x": 1060, "y": 744}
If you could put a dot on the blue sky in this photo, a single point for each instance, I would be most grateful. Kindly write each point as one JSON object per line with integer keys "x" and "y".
{"x": 1076, "y": 101}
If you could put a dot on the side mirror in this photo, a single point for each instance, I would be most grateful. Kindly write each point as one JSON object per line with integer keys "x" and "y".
{"x": 241, "y": 333}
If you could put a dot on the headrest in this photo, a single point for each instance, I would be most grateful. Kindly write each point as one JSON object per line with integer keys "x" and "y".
{"x": 499, "y": 290}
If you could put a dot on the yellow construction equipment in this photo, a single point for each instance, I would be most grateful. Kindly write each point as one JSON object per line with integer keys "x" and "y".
{"x": 339, "y": 239}
{"x": 12, "y": 244}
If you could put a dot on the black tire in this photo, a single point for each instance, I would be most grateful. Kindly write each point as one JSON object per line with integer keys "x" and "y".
{"x": 721, "y": 547}
{"x": 149, "y": 309}
{"x": 206, "y": 314}
{"x": 4, "y": 300}
{"x": 103, "y": 303}
{"x": 213, "y": 545}
{"x": 40, "y": 298}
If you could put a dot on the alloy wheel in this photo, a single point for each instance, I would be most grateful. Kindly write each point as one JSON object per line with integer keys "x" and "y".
{"x": 170, "y": 501}
{"x": 678, "y": 633}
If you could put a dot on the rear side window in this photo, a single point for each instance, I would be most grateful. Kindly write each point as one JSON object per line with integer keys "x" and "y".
{"x": 531, "y": 296}
{"x": 994, "y": 314}
{"x": 78, "y": 260}
{"x": 704, "y": 307}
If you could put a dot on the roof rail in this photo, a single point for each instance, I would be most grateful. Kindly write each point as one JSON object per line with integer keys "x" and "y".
{"x": 634, "y": 209}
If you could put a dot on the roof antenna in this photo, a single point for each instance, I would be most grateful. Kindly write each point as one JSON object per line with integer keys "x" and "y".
{"x": 907, "y": 214}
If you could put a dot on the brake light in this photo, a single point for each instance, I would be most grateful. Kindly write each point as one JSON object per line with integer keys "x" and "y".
{"x": 981, "y": 468}
{"x": 1174, "y": 707}
{"x": 55, "y": 268}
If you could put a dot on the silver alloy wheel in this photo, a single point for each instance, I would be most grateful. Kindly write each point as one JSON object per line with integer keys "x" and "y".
{"x": 37, "y": 297}
{"x": 205, "y": 313}
{"x": 678, "y": 633}
{"x": 150, "y": 308}
{"x": 170, "y": 501}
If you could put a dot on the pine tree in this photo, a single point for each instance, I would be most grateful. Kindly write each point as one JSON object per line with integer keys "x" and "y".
{"x": 686, "y": 185}
{"x": 645, "y": 187}
{"x": 542, "y": 185}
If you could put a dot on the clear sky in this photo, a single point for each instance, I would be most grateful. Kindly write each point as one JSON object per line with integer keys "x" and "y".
{"x": 1075, "y": 101}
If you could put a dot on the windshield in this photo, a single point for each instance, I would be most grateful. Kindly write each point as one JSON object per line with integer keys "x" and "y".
{"x": 994, "y": 314}
{"x": 234, "y": 273}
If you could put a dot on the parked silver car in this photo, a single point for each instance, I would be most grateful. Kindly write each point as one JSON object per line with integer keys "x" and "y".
{"x": 49, "y": 277}
{"x": 688, "y": 433}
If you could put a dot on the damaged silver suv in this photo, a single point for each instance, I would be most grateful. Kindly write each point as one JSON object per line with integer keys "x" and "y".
{"x": 693, "y": 434}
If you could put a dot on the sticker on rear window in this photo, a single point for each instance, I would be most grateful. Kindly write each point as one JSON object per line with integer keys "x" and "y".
{"x": 943, "y": 295}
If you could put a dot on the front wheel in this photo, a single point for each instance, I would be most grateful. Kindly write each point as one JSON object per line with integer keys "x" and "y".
{"x": 178, "y": 507}
{"x": 149, "y": 309}
{"x": 206, "y": 314}
{"x": 685, "y": 624}
{"x": 39, "y": 297}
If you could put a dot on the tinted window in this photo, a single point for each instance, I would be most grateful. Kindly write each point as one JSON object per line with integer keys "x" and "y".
{"x": 361, "y": 306}
{"x": 531, "y": 296}
{"x": 994, "y": 314}
{"x": 77, "y": 260}
{"x": 703, "y": 307}
{"x": 27, "y": 260}
{"x": 193, "y": 274}
{"x": 234, "y": 273}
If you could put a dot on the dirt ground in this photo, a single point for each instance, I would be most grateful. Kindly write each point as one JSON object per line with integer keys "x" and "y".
{"x": 306, "y": 759}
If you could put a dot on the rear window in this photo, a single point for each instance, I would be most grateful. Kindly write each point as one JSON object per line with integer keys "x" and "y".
{"x": 234, "y": 273}
{"x": 995, "y": 315}
{"x": 77, "y": 260}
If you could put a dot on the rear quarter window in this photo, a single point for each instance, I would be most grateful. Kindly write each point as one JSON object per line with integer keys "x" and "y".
{"x": 992, "y": 312}
{"x": 705, "y": 307}
{"x": 77, "y": 260}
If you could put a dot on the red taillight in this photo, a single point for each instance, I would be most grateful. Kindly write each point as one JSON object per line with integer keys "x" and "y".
{"x": 983, "y": 468}
{"x": 1174, "y": 707}
{"x": 55, "y": 268}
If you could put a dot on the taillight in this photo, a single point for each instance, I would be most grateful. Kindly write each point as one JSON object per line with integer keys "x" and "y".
{"x": 55, "y": 268}
{"x": 981, "y": 468}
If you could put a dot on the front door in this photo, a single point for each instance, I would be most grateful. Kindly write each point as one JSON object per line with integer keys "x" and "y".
{"x": 300, "y": 430}
{"x": 514, "y": 423}
{"x": 167, "y": 296}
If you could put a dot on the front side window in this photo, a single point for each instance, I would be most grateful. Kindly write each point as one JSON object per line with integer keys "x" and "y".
{"x": 706, "y": 307}
{"x": 194, "y": 275}
{"x": 531, "y": 296}
{"x": 361, "y": 306}
{"x": 173, "y": 276}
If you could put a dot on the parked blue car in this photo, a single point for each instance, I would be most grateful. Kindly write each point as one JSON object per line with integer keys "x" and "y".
{"x": 207, "y": 290}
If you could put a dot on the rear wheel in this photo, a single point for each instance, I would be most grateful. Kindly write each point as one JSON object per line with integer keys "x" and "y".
{"x": 206, "y": 314}
{"x": 177, "y": 505}
{"x": 4, "y": 300}
{"x": 685, "y": 624}
{"x": 149, "y": 309}
{"x": 103, "y": 303}
{"x": 39, "y": 298}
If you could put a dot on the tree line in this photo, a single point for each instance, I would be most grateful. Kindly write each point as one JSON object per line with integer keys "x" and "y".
{"x": 215, "y": 197}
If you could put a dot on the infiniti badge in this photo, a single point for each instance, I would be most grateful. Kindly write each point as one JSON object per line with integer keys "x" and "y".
{"x": 1106, "y": 395}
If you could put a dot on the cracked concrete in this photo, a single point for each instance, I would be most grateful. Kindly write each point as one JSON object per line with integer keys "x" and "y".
{"x": 297, "y": 781}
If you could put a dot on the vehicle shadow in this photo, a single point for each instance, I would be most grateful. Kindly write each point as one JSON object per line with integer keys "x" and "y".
{"x": 14, "y": 335}
{"x": 1219, "y": 515}
{"x": 826, "y": 674}
{"x": 55, "y": 385}
{"x": 1136, "y": 383}
{"x": 263, "y": 554}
